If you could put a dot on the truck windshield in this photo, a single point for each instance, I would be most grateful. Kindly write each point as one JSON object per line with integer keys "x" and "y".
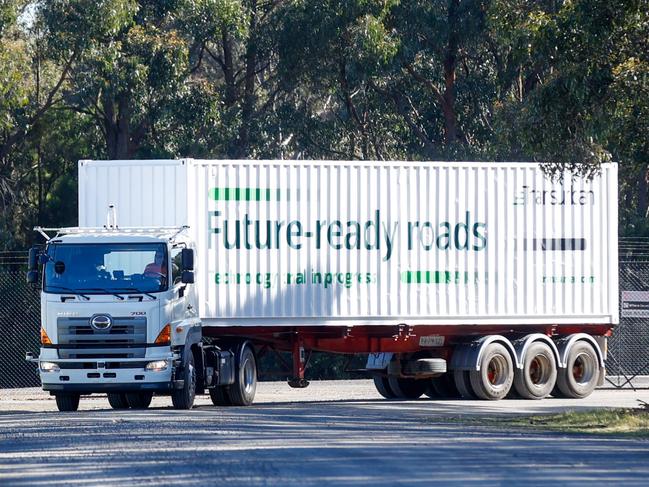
{"x": 105, "y": 268}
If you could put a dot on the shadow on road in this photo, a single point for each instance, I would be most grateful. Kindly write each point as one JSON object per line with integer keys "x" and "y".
{"x": 347, "y": 442}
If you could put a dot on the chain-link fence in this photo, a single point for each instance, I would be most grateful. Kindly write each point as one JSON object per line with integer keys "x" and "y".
{"x": 19, "y": 328}
{"x": 628, "y": 354}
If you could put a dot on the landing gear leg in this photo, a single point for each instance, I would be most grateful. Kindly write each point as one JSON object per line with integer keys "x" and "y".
{"x": 299, "y": 365}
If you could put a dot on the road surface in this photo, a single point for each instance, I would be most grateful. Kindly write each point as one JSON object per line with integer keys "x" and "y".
{"x": 332, "y": 432}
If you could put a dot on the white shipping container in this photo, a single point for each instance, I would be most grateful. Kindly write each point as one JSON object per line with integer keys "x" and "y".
{"x": 337, "y": 243}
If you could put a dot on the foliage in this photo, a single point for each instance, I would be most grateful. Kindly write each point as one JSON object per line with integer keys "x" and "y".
{"x": 560, "y": 81}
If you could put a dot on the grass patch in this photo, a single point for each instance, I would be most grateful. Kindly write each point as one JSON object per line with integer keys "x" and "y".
{"x": 627, "y": 422}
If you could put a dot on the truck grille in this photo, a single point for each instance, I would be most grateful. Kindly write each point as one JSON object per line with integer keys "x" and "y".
{"x": 116, "y": 342}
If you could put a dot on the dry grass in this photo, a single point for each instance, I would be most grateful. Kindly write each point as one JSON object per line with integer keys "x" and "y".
{"x": 627, "y": 422}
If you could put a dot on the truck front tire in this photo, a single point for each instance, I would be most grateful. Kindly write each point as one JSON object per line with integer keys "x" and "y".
{"x": 117, "y": 400}
{"x": 184, "y": 398}
{"x": 67, "y": 402}
{"x": 139, "y": 400}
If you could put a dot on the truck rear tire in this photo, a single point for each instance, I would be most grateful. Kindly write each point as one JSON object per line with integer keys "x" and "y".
{"x": 496, "y": 375}
{"x": 407, "y": 388}
{"x": 538, "y": 376}
{"x": 462, "y": 383}
{"x": 184, "y": 398}
{"x": 242, "y": 392}
{"x": 382, "y": 385}
{"x": 117, "y": 400}
{"x": 67, "y": 402}
{"x": 139, "y": 400}
{"x": 581, "y": 374}
{"x": 219, "y": 396}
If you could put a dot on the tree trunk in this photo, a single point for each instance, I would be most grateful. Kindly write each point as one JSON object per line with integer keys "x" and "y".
{"x": 450, "y": 62}
{"x": 242, "y": 149}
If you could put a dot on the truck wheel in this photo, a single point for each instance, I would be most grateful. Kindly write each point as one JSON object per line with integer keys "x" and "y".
{"x": 539, "y": 373}
{"x": 184, "y": 398}
{"x": 242, "y": 392}
{"x": 67, "y": 402}
{"x": 496, "y": 375}
{"x": 219, "y": 396}
{"x": 382, "y": 385}
{"x": 117, "y": 400}
{"x": 139, "y": 400}
{"x": 444, "y": 387}
{"x": 463, "y": 384}
{"x": 581, "y": 374}
{"x": 407, "y": 388}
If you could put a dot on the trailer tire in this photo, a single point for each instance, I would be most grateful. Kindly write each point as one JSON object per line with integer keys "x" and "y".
{"x": 538, "y": 376}
{"x": 404, "y": 388}
{"x": 219, "y": 396}
{"x": 67, "y": 402}
{"x": 242, "y": 392}
{"x": 581, "y": 375}
{"x": 139, "y": 400}
{"x": 444, "y": 387}
{"x": 117, "y": 400}
{"x": 462, "y": 382}
{"x": 184, "y": 398}
{"x": 383, "y": 387}
{"x": 496, "y": 375}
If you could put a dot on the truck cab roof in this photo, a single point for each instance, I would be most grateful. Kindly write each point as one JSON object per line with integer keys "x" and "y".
{"x": 91, "y": 235}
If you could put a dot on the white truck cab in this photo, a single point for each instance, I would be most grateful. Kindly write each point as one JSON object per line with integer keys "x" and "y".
{"x": 117, "y": 307}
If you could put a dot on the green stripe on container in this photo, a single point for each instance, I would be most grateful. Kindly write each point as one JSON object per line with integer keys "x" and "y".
{"x": 438, "y": 277}
{"x": 244, "y": 194}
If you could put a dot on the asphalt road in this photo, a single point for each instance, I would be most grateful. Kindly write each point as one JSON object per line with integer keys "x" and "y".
{"x": 331, "y": 432}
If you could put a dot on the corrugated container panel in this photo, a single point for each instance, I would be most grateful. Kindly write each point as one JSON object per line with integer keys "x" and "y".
{"x": 317, "y": 242}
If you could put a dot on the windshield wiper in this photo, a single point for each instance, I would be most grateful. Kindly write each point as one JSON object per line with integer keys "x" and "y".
{"x": 67, "y": 289}
{"x": 107, "y": 291}
{"x": 137, "y": 291}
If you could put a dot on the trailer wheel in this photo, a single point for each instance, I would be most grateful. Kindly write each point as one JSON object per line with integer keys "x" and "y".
{"x": 382, "y": 385}
{"x": 581, "y": 374}
{"x": 496, "y": 375}
{"x": 67, "y": 402}
{"x": 117, "y": 400}
{"x": 443, "y": 387}
{"x": 139, "y": 400}
{"x": 184, "y": 398}
{"x": 538, "y": 376}
{"x": 462, "y": 383}
{"x": 219, "y": 396}
{"x": 242, "y": 392}
{"x": 407, "y": 388}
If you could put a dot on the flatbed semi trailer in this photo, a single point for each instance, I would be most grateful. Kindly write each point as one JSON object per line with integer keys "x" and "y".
{"x": 470, "y": 279}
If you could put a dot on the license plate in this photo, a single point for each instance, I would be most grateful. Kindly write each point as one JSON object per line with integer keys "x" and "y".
{"x": 431, "y": 341}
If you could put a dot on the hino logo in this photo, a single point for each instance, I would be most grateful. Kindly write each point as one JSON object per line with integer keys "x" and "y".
{"x": 101, "y": 322}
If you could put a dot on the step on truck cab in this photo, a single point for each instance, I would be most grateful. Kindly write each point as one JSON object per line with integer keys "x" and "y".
{"x": 466, "y": 279}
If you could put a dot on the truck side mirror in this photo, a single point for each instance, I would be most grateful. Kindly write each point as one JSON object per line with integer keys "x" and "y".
{"x": 187, "y": 277}
{"x": 187, "y": 260}
{"x": 32, "y": 264}
{"x": 32, "y": 277}
{"x": 33, "y": 259}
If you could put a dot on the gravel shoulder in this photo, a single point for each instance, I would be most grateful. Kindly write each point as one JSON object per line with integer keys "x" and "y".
{"x": 338, "y": 432}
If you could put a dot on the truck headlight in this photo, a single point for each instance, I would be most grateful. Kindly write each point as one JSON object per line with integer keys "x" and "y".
{"x": 49, "y": 367}
{"x": 157, "y": 365}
